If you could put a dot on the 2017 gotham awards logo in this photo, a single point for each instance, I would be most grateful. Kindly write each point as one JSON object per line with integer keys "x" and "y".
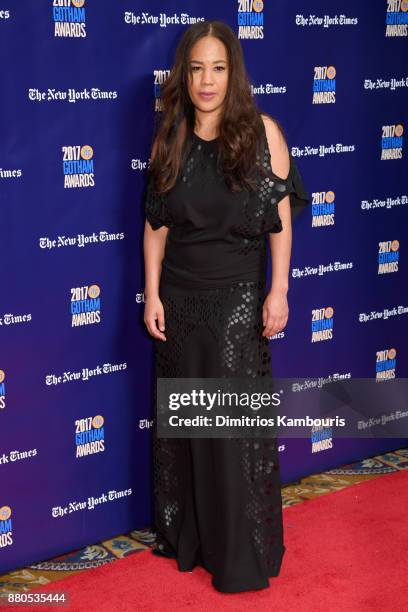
{"x": 324, "y": 85}
{"x": 78, "y": 166}
{"x": 85, "y": 305}
{"x": 323, "y": 208}
{"x": 89, "y": 436}
{"x": 388, "y": 256}
{"x": 322, "y": 438}
{"x": 386, "y": 362}
{"x": 396, "y": 18}
{"x": 322, "y": 324}
{"x": 391, "y": 141}
{"x": 250, "y": 19}
{"x": 69, "y": 18}
{"x": 6, "y": 527}
{"x": 159, "y": 77}
{"x": 2, "y": 390}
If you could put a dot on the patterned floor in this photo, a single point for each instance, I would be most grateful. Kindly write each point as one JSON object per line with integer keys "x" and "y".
{"x": 136, "y": 541}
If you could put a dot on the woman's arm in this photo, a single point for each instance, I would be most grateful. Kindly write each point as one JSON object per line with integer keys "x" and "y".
{"x": 154, "y": 242}
{"x": 275, "y": 309}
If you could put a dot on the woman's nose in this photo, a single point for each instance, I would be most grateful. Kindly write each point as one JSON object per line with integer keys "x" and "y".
{"x": 207, "y": 76}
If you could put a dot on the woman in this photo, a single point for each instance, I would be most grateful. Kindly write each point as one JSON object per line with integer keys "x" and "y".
{"x": 212, "y": 199}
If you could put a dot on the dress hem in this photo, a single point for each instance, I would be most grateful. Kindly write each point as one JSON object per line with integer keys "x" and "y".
{"x": 229, "y": 587}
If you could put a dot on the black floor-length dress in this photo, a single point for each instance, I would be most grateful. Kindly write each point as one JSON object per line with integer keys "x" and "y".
{"x": 218, "y": 500}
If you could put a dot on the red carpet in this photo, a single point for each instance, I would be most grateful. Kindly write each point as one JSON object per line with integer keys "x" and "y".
{"x": 346, "y": 551}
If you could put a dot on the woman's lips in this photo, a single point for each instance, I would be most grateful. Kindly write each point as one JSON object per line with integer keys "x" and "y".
{"x": 206, "y": 96}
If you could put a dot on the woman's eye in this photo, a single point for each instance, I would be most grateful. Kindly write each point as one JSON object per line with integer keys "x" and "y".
{"x": 217, "y": 68}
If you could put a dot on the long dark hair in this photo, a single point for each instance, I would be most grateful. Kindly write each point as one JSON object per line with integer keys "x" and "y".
{"x": 240, "y": 128}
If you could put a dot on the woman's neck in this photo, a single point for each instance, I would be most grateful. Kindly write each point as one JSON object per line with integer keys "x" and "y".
{"x": 207, "y": 129}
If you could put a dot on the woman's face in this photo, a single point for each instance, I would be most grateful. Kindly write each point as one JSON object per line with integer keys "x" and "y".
{"x": 208, "y": 73}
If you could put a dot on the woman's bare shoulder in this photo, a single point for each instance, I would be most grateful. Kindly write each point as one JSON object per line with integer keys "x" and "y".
{"x": 278, "y": 148}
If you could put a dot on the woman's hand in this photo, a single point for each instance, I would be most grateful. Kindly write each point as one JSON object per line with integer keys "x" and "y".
{"x": 153, "y": 311}
{"x": 275, "y": 313}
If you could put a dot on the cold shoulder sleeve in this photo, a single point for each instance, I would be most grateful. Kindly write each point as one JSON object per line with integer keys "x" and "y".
{"x": 262, "y": 213}
{"x": 272, "y": 189}
{"x": 155, "y": 206}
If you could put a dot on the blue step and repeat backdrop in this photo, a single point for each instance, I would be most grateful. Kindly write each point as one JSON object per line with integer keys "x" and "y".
{"x": 80, "y": 89}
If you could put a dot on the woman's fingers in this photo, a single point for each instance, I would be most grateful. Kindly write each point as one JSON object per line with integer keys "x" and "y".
{"x": 160, "y": 320}
{"x": 153, "y": 329}
{"x": 155, "y": 312}
{"x": 273, "y": 324}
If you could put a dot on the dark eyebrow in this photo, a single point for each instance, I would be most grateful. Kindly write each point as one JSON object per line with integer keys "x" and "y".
{"x": 214, "y": 62}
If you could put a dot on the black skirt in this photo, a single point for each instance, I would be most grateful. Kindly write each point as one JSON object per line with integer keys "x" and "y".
{"x": 217, "y": 501}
